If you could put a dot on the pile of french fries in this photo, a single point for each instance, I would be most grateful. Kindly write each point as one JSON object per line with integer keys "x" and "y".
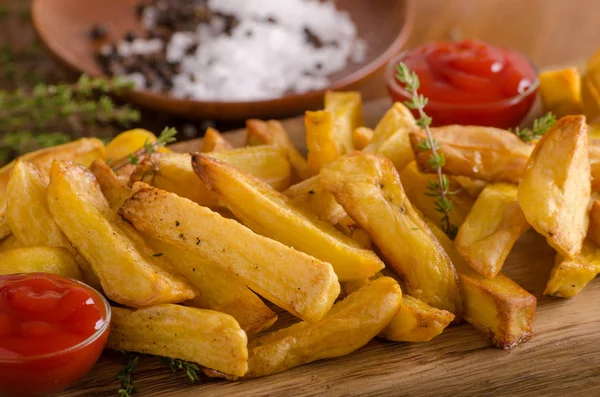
{"x": 346, "y": 240}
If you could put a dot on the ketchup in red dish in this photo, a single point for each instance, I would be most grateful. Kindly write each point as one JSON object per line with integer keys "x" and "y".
{"x": 470, "y": 82}
{"x": 52, "y": 331}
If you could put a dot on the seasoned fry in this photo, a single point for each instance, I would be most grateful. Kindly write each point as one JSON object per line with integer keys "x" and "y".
{"x": 369, "y": 189}
{"x": 272, "y": 133}
{"x": 498, "y": 307}
{"x": 128, "y": 142}
{"x": 208, "y": 338}
{"x": 560, "y": 91}
{"x": 127, "y": 276}
{"x": 296, "y": 282}
{"x": 271, "y": 214}
{"x": 391, "y": 137}
{"x": 415, "y": 185}
{"x": 173, "y": 171}
{"x": 39, "y": 259}
{"x": 115, "y": 190}
{"x": 217, "y": 289}
{"x": 311, "y": 196}
{"x": 486, "y": 153}
{"x": 491, "y": 229}
{"x": 30, "y": 219}
{"x": 213, "y": 141}
{"x": 361, "y": 137}
{"x": 555, "y": 191}
{"x": 570, "y": 275}
{"x": 416, "y": 322}
{"x": 350, "y": 324}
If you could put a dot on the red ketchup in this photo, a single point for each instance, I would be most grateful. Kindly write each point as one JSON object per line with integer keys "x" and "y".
{"x": 470, "y": 82}
{"x": 52, "y": 331}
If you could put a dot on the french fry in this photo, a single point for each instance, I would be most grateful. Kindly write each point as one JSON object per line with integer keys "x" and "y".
{"x": 361, "y": 137}
{"x": 173, "y": 171}
{"x": 128, "y": 142}
{"x": 594, "y": 228}
{"x": 320, "y": 140}
{"x": 594, "y": 151}
{"x": 590, "y": 93}
{"x": 498, "y": 307}
{"x": 30, "y": 219}
{"x": 272, "y": 133}
{"x": 294, "y": 281}
{"x": 272, "y": 214}
{"x": 113, "y": 188}
{"x": 208, "y": 338}
{"x": 416, "y": 322}
{"x": 391, "y": 137}
{"x": 473, "y": 187}
{"x": 560, "y": 91}
{"x": 570, "y": 275}
{"x": 350, "y": 324}
{"x": 555, "y": 191}
{"x": 82, "y": 151}
{"x": 217, "y": 289}
{"x": 39, "y": 260}
{"x": 369, "y": 189}
{"x": 346, "y": 108}
{"x": 213, "y": 141}
{"x": 415, "y": 185}
{"x": 126, "y": 275}
{"x": 491, "y": 154}
{"x": 10, "y": 243}
{"x": 311, "y": 196}
{"x": 491, "y": 229}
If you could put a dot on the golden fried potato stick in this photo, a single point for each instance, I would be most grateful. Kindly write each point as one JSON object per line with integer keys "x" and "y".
{"x": 491, "y": 229}
{"x": 82, "y": 151}
{"x": 272, "y": 133}
{"x": 555, "y": 191}
{"x": 217, "y": 289}
{"x": 130, "y": 141}
{"x": 416, "y": 322}
{"x": 594, "y": 151}
{"x": 272, "y": 214}
{"x": 213, "y": 141}
{"x": 487, "y": 153}
{"x": 361, "y": 137}
{"x": 208, "y": 338}
{"x": 40, "y": 259}
{"x": 473, "y": 187}
{"x": 294, "y": 281}
{"x": 594, "y": 228}
{"x": 127, "y": 276}
{"x": 173, "y": 171}
{"x": 346, "y": 108}
{"x": 415, "y": 185}
{"x": 498, "y": 307}
{"x": 113, "y": 188}
{"x": 570, "y": 275}
{"x": 349, "y": 325}
{"x": 369, "y": 189}
{"x": 590, "y": 93}
{"x": 391, "y": 136}
{"x": 29, "y": 217}
{"x": 560, "y": 91}
{"x": 312, "y": 196}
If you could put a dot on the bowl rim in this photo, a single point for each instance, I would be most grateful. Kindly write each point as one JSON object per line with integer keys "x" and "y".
{"x": 393, "y": 85}
{"x": 89, "y": 340}
{"x": 363, "y": 73}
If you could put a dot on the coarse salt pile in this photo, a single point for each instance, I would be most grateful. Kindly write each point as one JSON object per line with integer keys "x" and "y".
{"x": 272, "y": 47}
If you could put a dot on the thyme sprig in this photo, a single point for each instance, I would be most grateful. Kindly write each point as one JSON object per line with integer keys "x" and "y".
{"x": 540, "y": 127}
{"x": 177, "y": 365}
{"x": 166, "y": 136}
{"x": 126, "y": 376}
{"x": 440, "y": 188}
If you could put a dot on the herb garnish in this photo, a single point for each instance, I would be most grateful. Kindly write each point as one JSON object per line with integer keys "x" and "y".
{"x": 176, "y": 365}
{"x": 439, "y": 189}
{"x": 126, "y": 376}
{"x": 166, "y": 136}
{"x": 540, "y": 127}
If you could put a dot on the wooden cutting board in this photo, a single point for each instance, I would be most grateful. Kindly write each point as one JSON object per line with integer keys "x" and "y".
{"x": 563, "y": 358}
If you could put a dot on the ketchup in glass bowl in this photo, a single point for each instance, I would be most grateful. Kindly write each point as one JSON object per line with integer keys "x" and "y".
{"x": 469, "y": 82}
{"x": 52, "y": 331}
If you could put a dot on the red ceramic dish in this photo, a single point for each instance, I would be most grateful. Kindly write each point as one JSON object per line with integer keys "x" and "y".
{"x": 52, "y": 331}
{"x": 495, "y": 89}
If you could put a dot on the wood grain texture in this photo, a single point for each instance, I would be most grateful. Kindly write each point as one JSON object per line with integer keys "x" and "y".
{"x": 563, "y": 358}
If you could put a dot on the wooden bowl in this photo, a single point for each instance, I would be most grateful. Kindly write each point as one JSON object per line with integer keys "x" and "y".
{"x": 63, "y": 27}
